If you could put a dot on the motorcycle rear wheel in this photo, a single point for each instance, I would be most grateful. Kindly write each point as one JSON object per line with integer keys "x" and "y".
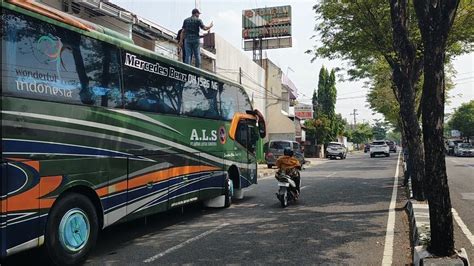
{"x": 283, "y": 197}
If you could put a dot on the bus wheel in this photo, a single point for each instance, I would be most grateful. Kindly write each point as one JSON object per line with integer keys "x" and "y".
{"x": 229, "y": 191}
{"x": 71, "y": 230}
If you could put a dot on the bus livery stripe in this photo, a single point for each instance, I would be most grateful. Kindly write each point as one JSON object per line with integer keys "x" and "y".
{"x": 28, "y": 200}
{"x": 157, "y": 176}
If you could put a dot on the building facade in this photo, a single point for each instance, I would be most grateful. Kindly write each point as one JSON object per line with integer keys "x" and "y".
{"x": 279, "y": 125}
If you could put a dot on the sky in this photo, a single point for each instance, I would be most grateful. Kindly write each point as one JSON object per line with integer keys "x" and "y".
{"x": 227, "y": 18}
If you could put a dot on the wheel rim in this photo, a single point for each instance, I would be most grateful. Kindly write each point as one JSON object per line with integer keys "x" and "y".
{"x": 74, "y": 230}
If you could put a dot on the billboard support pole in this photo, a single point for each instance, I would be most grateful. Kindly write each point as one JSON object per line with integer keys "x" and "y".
{"x": 257, "y": 50}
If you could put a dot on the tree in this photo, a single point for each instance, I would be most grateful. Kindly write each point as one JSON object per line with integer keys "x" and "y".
{"x": 319, "y": 128}
{"x": 367, "y": 31}
{"x": 435, "y": 18}
{"x": 394, "y": 135}
{"x": 362, "y": 133}
{"x": 463, "y": 119}
{"x": 362, "y": 33}
{"x": 325, "y": 125}
{"x": 379, "y": 130}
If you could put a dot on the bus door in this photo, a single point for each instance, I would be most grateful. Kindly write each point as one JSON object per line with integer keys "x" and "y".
{"x": 247, "y": 136}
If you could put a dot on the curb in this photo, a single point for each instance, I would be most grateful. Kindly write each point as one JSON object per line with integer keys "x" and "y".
{"x": 419, "y": 219}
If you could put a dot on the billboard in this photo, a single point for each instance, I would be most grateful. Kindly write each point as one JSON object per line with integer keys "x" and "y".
{"x": 274, "y": 43}
{"x": 267, "y": 23}
{"x": 304, "y": 111}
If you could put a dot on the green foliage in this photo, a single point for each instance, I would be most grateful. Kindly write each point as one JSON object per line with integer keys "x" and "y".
{"x": 361, "y": 134}
{"x": 319, "y": 129}
{"x": 463, "y": 119}
{"x": 394, "y": 136}
{"x": 381, "y": 97}
{"x": 361, "y": 32}
{"x": 327, "y": 93}
{"x": 338, "y": 125}
{"x": 379, "y": 130}
{"x": 326, "y": 125}
{"x": 325, "y": 99}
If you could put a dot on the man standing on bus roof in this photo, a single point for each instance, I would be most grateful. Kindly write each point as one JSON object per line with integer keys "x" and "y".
{"x": 191, "y": 27}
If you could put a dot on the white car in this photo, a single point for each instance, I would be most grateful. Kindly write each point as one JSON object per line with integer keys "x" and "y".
{"x": 336, "y": 149}
{"x": 379, "y": 147}
{"x": 463, "y": 149}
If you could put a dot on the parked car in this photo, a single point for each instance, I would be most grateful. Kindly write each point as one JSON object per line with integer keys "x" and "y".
{"x": 379, "y": 147}
{"x": 336, "y": 149}
{"x": 392, "y": 146}
{"x": 275, "y": 149}
{"x": 366, "y": 147}
{"x": 451, "y": 144}
{"x": 464, "y": 149}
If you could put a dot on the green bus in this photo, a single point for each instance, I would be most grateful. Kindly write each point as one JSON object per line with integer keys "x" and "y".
{"x": 97, "y": 131}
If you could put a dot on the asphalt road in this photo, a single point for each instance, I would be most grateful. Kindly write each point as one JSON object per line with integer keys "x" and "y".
{"x": 341, "y": 218}
{"x": 461, "y": 187}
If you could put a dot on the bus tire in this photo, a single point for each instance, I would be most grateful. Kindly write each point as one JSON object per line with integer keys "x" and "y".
{"x": 228, "y": 193}
{"x": 71, "y": 230}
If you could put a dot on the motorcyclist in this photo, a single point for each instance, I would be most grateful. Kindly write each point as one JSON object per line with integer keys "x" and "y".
{"x": 290, "y": 166}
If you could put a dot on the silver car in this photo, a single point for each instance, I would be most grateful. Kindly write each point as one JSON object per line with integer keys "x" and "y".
{"x": 464, "y": 149}
{"x": 336, "y": 149}
{"x": 274, "y": 149}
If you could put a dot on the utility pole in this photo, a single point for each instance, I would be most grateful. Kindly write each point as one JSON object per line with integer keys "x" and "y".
{"x": 354, "y": 114}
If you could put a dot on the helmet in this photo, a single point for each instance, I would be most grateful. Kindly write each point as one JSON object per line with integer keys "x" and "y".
{"x": 288, "y": 152}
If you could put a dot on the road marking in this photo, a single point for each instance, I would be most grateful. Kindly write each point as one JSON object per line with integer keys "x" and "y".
{"x": 463, "y": 226}
{"x": 462, "y": 163}
{"x": 331, "y": 174}
{"x": 157, "y": 256}
{"x": 388, "y": 249}
{"x": 303, "y": 187}
{"x": 467, "y": 196}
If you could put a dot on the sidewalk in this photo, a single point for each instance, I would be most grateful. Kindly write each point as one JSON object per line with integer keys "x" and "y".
{"x": 419, "y": 219}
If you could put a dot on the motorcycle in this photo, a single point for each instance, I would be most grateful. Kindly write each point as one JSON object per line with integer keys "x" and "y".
{"x": 287, "y": 191}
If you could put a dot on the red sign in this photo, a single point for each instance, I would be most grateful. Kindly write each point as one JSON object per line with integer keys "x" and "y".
{"x": 304, "y": 114}
{"x": 222, "y": 135}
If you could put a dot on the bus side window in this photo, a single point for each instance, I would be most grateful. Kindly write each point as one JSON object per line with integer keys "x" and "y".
{"x": 199, "y": 102}
{"x": 101, "y": 66}
{"x": 146, "y": 91}
{"x": 46, "y": 62}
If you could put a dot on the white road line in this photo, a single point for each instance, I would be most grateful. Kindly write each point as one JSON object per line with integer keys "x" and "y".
{"x": 303, "y": 187}
{"x": 157, "y": 256}
{"x": 331, "y": 174}
{"x": 463, "y": 226}
{"x": 462, "y": 163}
{"x": 388, "y": 249}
